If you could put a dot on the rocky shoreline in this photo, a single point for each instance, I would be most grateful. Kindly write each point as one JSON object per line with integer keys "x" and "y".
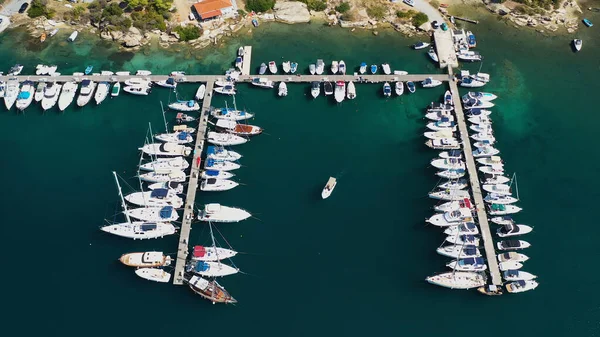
{"x": 551, "y": 20}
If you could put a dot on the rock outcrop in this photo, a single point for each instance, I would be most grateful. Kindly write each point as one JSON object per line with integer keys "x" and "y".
{"x": 291, "y": 12}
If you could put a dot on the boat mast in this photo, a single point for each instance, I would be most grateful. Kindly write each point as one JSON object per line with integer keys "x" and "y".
{"x": 514, "y": 177}
{"x": 218, "y": 261}
{"x": 162, "y": 108}
{"x": 122, "y": 199}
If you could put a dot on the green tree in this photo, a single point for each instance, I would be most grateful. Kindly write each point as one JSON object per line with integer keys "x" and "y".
{"x": 259, "y": 5}
{"x": 112, "y": 9}
{"x": 37, "y": 9}
{"x": 419, "y": 19}
{"x": 187, "y": 33}
{"x": 343, "y": 7}
{"x": 77, "y": 11}
{"x": 137, "y": 3}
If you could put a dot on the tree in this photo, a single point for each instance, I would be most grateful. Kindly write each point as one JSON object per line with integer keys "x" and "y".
{"x": 343, "y": 7}
{"x": 37, "y": 9}
{"x": 112, "y": 9}
{"x": 187, "y": 33}
{"x": 137, "y": 3}
{"x": 260, "y": 5}
{"x": 419, "y": 19}
{"x": 77, "y": 11}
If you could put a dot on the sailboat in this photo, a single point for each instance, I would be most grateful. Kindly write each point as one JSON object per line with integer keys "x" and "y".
{"x": 157, "y": 197}
{"x": 202, "y": 253}
{"x": 166, "y": 165}
{"x": 211, "y": 290}
{"x": 230, "y": 114}
{"x": 220, "y": 213}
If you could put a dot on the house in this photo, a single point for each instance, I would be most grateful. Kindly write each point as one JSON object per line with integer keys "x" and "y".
{"x": 211, "y": 9}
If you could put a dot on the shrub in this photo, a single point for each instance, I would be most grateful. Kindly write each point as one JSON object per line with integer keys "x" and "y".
{"x": 419, "y": 19}
{"x": 242, "y": 13}
{"x": 434, "y": 3}
{"x": 376, "y": 11}
{"x": 259, "y": 5}
{"x": 343, "y": 7}
{"x": 112, "y": 9}
{"x": 316, "y": 5}
{"x": 187, "y": 33}
{"x": 77, "y": 11}
{"x": 405, "y": 15}
{"x": 38, "y": 8}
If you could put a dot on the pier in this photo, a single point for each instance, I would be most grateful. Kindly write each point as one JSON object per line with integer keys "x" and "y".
{"x": 246, "y": 61}
{"x": 486, "y": 235}
{"x": 188, "y": 212}
{"x": 466, "y": 20}
{"x": 444, "y": 47}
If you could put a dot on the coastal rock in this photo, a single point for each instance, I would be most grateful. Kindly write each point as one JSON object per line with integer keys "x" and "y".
{"x": 116, "y": 35}
{"x": 105, "y": 36}
{"x": 132, "y": 40}
{"x": 291, "y": 12}
{"x": 134, "y": 31}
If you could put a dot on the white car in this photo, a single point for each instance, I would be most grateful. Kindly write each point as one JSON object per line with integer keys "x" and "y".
{"x": 409, "y": 2}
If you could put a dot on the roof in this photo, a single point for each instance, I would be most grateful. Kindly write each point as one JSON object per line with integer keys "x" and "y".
{"x": 211, "y": 8}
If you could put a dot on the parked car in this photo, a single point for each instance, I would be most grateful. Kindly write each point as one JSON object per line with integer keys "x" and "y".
{"x": 23, "y": 7}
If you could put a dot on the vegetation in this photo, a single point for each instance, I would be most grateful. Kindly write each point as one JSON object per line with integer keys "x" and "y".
{"x": 343, "y": 7}
{"x": 77, "y": 12}
{"x": 419, "y": 19}
{"x": 256, "y": 5}
{"x": 315, "y": 5}
{"x": 405, "y": 15}
{"x": 242, "y": 13}
{"x": 377, "y": 11}
{"x": 187, "y": 33}
{"x": 105, "y": 15}
{"x": 434, "y": 3}
{"x": 38, "y": 8}
{"x": 545, "y": 4}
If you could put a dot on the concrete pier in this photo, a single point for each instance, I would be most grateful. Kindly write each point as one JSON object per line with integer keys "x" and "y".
{"x": 444, "y": 47}
{"x": 188, "y": 213}
{"x": 247, "y": 60}
{"x": 488, "y": 242}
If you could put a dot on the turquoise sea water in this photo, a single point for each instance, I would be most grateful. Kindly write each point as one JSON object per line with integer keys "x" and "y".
{"x": 352, "y": 265}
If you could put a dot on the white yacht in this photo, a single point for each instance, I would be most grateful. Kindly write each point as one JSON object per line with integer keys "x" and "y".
{"x": 162, "y": 177}
{"x": 503, "y": 220}
{"x": 168, "y": 83}
{"x": 485, "y": 151}
{"x": 101, "y": 92}
{"x": 468, "y": 264}
{"x": 25, "y": 96}
{"x": 178, "y": 137}
{"x": 145, "y": 259}
{"x": 282, "y": 89}
{"x": 320, "y": 67}
{"x": 451, "y": 218}
{"x": 342, "y": 67}
{"x": 447, "y": 164}
{"x": 219, "y": 153}
{"x": 499, "y": 189}
{"x": 387, "y": 89}
{"x": 455, "y": 154}
{"x": 334, "y": 67}
{"x": 480, "y": 137}
{"x": 438, "y": 115}
{"x": 510, "y": 265}
{"x": 67, "y": 95}
{"x": 226, "y": 90}
{"x": 458, "y": 280}
{"x": 513, "y": 230}
{"x": 469, "y": 82}
{"x": 139, "y": 230}
{"x": 213, "y": 184}
{"x": 492, "y": 160}
{"x": 203, "y": 253}
{"x": 207, "y": 174}
{"x": 386, "y": 69}
{"x": 500, "y": 199}
{"x": 454, "y": 204}
{"x": 451, "y": 173}
{"x": 315, "y": 89}
{"x": 445, "y": 124}
{"x": 443, "y": 144}
{"x": 450, "y": 195}
{"x": 153, "y": 274}
{"x": 517, "y": 275}
{"x": 86, "y": 91}
{"x": 262, "y": 82}
{"x": 503, "y": 209}
{"x": 286, "y": 66}
{"x": 482, "y": 96}
{"x": 172, "y": 185}
{"x": 225, "y": 139}
{"x": 210, "y": 268}
{"x": 512, "y": 244}
{"x": 399, "y": 88}
{"x": 492, "y": 169}
{"x": 521, "y": 286}
{"x": 363, "y": 68}
{"x": 51, "y": 94}
{"x": 230, "y": 114}
{"x": 158, "y": 214}
{"x": 482, "y": 128}
{"x": 512, "y": 256}
{"x": 166, "y": 149}
{"x": 340, "y": 91}
{"x": 220, "y": 213}
{"x": 328, "y": 189}
{"x": 459, "y": 251}
{"x": 467, "y": 228}
{"x": 39, "y": 91}
{"x": 220, "y": 165}
{"x": 463, "y": 239}
{"x": 577, "y": 44}
{"x": 166, "y": 165}
{"x": 155, "y": 198}
{"x": 351, "y": 94}
{"x": 454, "y": 184}
{"x": 430, "y": 83}
{"x": 137, "y": 90}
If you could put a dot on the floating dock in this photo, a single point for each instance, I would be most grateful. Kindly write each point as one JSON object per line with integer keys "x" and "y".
{"x": 188, "y": 212}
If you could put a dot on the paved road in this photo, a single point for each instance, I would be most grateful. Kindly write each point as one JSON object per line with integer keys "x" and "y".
{"x": 433, "y": 14}
{"x": 11, "y": 7}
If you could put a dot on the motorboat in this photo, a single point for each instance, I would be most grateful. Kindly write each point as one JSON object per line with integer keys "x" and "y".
{"x": 328, "y": 87}
{"x": 481, "y": 96}
{"x": 454, "y": 204}
{"x": 510, "y": 265}
{"x": 433, "y": 55}
{"x": 168, "y": 83}
{"x": 483, "y": 77}
{"x": 51, "y": 94}
{"x": 116, "y": 89}
{"x": 486, "y": 151}
{"x": 411, "y": 87}
{"x": 185, "y": 106}
{"x": 262, "y": 82}
{"x": 238, "y": 129}
{"x": 312, "y": 68}
{"x": 230, "y": 114}
{"x": 178, "y": 137}
{"x": 166, "y": 165}
{"x": 446, "y": 133}
{"x": 444, "y": 124}
{"x": 15, "y": 70}
{"x": 41, "y": 69}
{"x": 440, "y": 107}
{"x": 67, "y": 95}
{"x": 342, "y": 67}
{"x": 464, "y": 239}
{"x": 475, "y": 103}
{"x": 239, "y": 62}
{"x": 482, "y": 128}
{"x": 158, "y": 214}
{"x": 282, "y": 89}
{"x": 220, "y": 213}
{"x": 480, "y": 137}
{"x": 452, "y": 173}
{"x": 155, "y": 198}
{"x": 176, "y": 176}
{"x": 326, "y": 192}
{"x": 320, "y": 67}
{"x": 488, "y": 289}
{"x": 386, "y": 68}
{"x": 183, "y": 118}
{"x": 210, "y": 290}
{"x": 263, "y": 69}
{"x": 459, "y": 251}
{"x": 153, "y": 274}
{"x": 101, "y": 92}
{"x": 351, "y": 90}
{"x": 219, "y": 153}
{"x": 387, "y": 89}
{"x": 448, "y": 98}
{"x": 273, "y": 67}
{"x": 315, "y": 89}
{"x": 439, "y": 115}
{"x": 469, "y": 56}
{"x": 399, "y": 88}
{"x": 443, "y": 144}
{"x": 430, "y": 83}
{"x": 220, "y": 165}
{"x": 472, "y": 43}
{"x": 106, "y": 73}
{"x": 145, "y": 259}
{"x": 521, "y": 286}
{"x": 450, "y": 195}
{"x": 455, "y": 154}
{"x": 88, "y": 70}
{"x": 451, "y": 218}
{"x": 467, "y": 228}
{"x": 512, "y": 257}
{"x": 340, "y": 91}
{"x": 513, "y": 230}
{"x": 458, "y": 279}
{"x": 512, "y": 244}
{"x": 137, "y": 90}
{"x": 503, "y": 209}
{"x": 577, "y": 44}
{"x": 240, "y": 51}
{"x": 373, "y": 69}
{"x": 225, "y": 139}
{"x": 479, "y": 119}
{"x": 143, "y": 73}
{"x": 449, "y": 163}
{"x": 503, "y": 220}
{"x": 286, "y": 67}
{"x": 208, "y": 174}
{"x": 518, "y": 275}
{"x": 500, "y": 199}
{"x": 223, "y": 83}
{"x": 420, "y": 45}
{"x": 499, "y": 189}
{"x": 166, "y": 149}
{"x": 492, "y": 169}
{"x": 468, "y": 264}
{"x": 25, "y": 96}
{"x": 454, "y": 184}
{"x": 469, "y": 82}
{"x": 138, "y": 82}
{"x": 400, "y": 72}
{"x": 587, "y": 22}
{"x": 363, "y": 68}
{"x": 203, "y": 253}
{"x": 39, "y": 91}
{"x": 122, "y": 73}
{"x": 334, "y": 67}
{"x": 213, "y": 184}
{"x": 139, "y": 230}
{"x": 226, "y": 90}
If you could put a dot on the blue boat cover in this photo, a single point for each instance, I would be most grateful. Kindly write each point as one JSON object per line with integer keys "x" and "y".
{"x": 210, "y": 162}
{"x": 238, "y": 59}
{"x": 444, "y": 119}
{"x": 24, "y": 95}
{"x": 470, "y": 225}
{"x": 170, "y": 80}
{"x": 191, "y": 103}
{"x": 468, "y": 261}
{"x": 212, "y": 173}
{"x": 85, "y": 83}
{"x": 410, "y": 84}
{"x": 159, "y": 193}
{"x": 201, "y": 266}
{"x": 470, "y": 250}
{"x": 148, "y": 226}
{"x": 521, "y": 283}
{"x": 512, "y": 273}
{"x": 182, "y": 135}
{"x": 211, "y": 150}
{"x": 363, "y": 64}
{"x": 166, "y": 212}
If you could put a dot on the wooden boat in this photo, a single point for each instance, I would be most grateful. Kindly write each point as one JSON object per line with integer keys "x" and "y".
{"x": 145, "y": 259}
{"x": 490, "y": 290}
{"x": 43, "y": 37}
{"x": 211, "y": 290}
{"x": 328, "y": 188}
{"x": 238, "y": 129}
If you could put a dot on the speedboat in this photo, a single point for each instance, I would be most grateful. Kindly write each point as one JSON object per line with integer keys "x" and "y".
{"x": 452, "y": 173}
{"x": 223, "y": 83}
{"x": 432, "y": 54}
{"x": 363, "y": 68}
{"x": 459, "y": 251}
{"x": 326, "y": 192}
{"x": 454, "y": 184}
{"x": 220, "y": 165}
{"x": 145, "y": 259}
{"x": 25, "y": 96}
{"x": 454, "y": 204}
{"x": 262, "y": 82}
{"x": 386, "y": 68}
{"x": 166, "y": 165}
{"x": 282, "y": 90}
{"x": 185, "y": 106}
{"x": 521, "y": 286}
{"x": 482, "y": 128}
{"x": 448, "y": 98}
{"x": 430, "y": 83}
{"x": 500, "y": 199}
{"x": 168, "y": 83}
{"x": 451, "y": 154}
{"x": 175, "y": 175}
{"x": 286, "y": 66}
{"x": 153, "y": 274}
{"x": 315, "y": 89}
{"x": 469, "y": 56}
{"x": 15, "y": 70}
{"x": 387, "y": 89}
{"x": 471, "y": 42}
{"x": 101, "y": 92}
{"x": 468, "y": 264}
{"x": 263, "y": 69}
{"x": 447, "y": 164}
{"x": 139, "y": 230}
{"x": 517, "y": 275}
{"x": 503, "y": 220}
{"x": 226, "y": 90}
{"x": 492, "y": 169}
{"x": 239, "y": 61}
{"x": 208, "y": 174}
{"x": 373, "y": 68}
{"x": 577, "y": 44}
{"x": 479, "y": 137}
{"x": 513, "y": 230}
{"x": 240, "y": 51}
{"x": 213, "y": 184}
{"x": 420, "y": 45}
{"x": 439, "y": 115}
{"x": 116, "y": 90}
{"x": 467, "y": 228}
{"x": 512, "y": 256}
{"x": 512, "y": 244}
{"x": 51, "y": 94}
{"x": 220, "y": 213}
{"x": 225, "y": 139}
{"x": 444, "y": 124}
{"x": 443, "y": 144}
{"x": 351, "y": 90}
{"x": 230, "y": 114}
{"x": 158, "y": 214}
{"x": 510, "y": 265}
{"x": 183, "y": 118}
{"x": 334, "y": 67}
{"x": 156, "y": 198}
{"x": 273, "y": 67}
{"x": 137, "y": 90}
{"x": 202, "y": 253}
{"x": 411, "y": 87}
{"x": 486, "y": 151}
{"x": 238, "y": 129}
{"x": 472, "y": 103}
{"x": 468, "y": 82}
{"x": 88, "y": 70}
{"x": 328, "y": 88}
{"x": 464, "y": 239}
{"x": 143, "y": 73}
{"x": 178, "y": 137}
{"x": 312, "y": 68}
{"x": 399, "y": 88}
{"x": 342, "y": 67}
{"x": 450, "y": 195}
{"x": 67, "y": 95}
{"x": 340, "y": 91}
{"x": 166, "y": 149}
{"x": 479, "y": 119}
{"x": 219, "y": 153}
{"x": 210, "y": 290}
{"x": 451, "y": 218}
{"x": 320, "y": 67}
{"x": 500, "y": 189}
{"x": 458, "y": 280}
{"x": 503, "y": 209}
{"x": 482, "y": 96}
{"x": 39, "y": 91}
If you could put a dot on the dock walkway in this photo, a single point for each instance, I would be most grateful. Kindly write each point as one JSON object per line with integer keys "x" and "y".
{"x": 488, "y": 242}
{"x": 188, "y": 213}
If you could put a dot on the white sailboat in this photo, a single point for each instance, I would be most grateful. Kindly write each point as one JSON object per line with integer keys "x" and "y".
{"x": 178, "y": 137}
{"x": 202, "y": 253}
{"x": 164, "y": 176}
{"x": 51, "y": 95}
{"x": 220, "y": 213}
{"x": 211, "y": 268}
{"x": 155, "y": 198}
{"x": 458, "y": 280}
{"x": 158, "y": 214}
{"x": 468, "y": 228}
{"x": 86, "y": 91}
{"x": 214, "y": 185}
{"x": 185, "y": 106}
{"x": 166, "y": 149}
{"x": 166, "y": 165}
{"x": 101, "y": 92}
{"x": 219, "y": 153}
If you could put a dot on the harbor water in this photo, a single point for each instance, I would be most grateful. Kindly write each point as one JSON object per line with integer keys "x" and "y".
{"x": 351, "y": 265}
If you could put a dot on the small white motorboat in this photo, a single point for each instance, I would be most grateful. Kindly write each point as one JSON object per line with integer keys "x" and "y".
{"x": 185, "y": 106}
{"x": 480, "y": 137}
{"x": 399, "y": 88}
{"x": 351, "y": 90}
{"x": 25, "y": 96}
{"x": 517, "y": 275}
{"x": 492, "y": 169}
{"x": 467, "y": 228}
{"x": 420, "y": 45}
{"x": 143, "y": 73}
{"x": 452, "y": 173}
{"x": 455, "y": 154}
{"x": 213, "y": 184}
{"x": 282, "y": 89}
{"x": 315, "y": 89}
{"x": 342, "y": 67}
{"x": 220, "y": 213}
{"x": 450, "y": 195}
{"x": 168, "y": 83}
{"x": 312, "y": 68}
{"x": 500, "y": 189}
{"x": 363, "y": 68}
{"x": 386, "y": 69}
{"x": 334, "y": 67}
{"x": 454, "y": 205}
{"x": 454, "y": 184}
{"x": 51, "y": 95}
{"x": 137, "y": 90}
{"x": 433, "y": 55}
{"x": 73, "y": 36}
{"x": 577, "y": 44}
{"x": 286, "y": 66}
{"x": 225, "y": 90}
{"x": 503, "y": 209}
{"x": 67, "y": 95}
{"x": 486, "y": 151}
{"x": 513, "y": 230}
{"x": 200, "y": 92}
{"x": 443, "y": 144}
{"x": 387, "y": 89}
{"x": 510, "y": 265}
{"x": 331, "y": 183}
{"x": 178, "y": 137}
{"x": 39, "y": 91}
{"x": 512, "y": 244}
{"x": 220, "y": 165}
{"x": 512, "y": 256}
{"x": 340, "y": 91}
{"x": 273, "y": 67}
{"x": 521, "y": 286}
{"x": 116, "y": 90}
{"x": 503, "y": 220}
{"x": 320, "y": 67}
{"x": 430, "y": 83}
{"x": 447, "y": 164}
{"x": 153, "y": 274}
{"x": 101, "y": 92}
{"x": 445, "y": 124}
{"x": 262, "y": 82}
{"x": 468, "y": 264}
{"x": 464, "y": 239}
{"x": 458, "y": 280}
{"x": 166, "y": 149}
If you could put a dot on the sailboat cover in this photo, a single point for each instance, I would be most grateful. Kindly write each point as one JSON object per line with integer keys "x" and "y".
{"x": 165, "y": 212}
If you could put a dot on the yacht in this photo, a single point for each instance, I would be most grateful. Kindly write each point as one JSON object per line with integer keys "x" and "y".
{"x": 517, "y": 275}
{"x": 499, "y": 189}
{"x": 328, "y": 88}
{"x": 334, "y": 67}
{"x": 432, "y": 54}
{"x": 210, "y": 290}
{"x": 463, "y": 239}
{"x": 500, "y": 199}
{"x": 458, "y": 280}
{"x": 512, "y": 256}
{"x": 67, "y": 95}
{"x": 342, "y": 67}
{"x": 85, "y": 93}
{"x": 168, "y": 83}
{"x": 482, "y": 128}
{"x": 399, "y": 88}
{"x": 443, "y": 144}
{"x": 226, "y": 90}
{"x": 166, "y": 165}
{"x": 166, "y": 149}
{"x": 220, "y": 213}
{"x": 450, "y": 195}
{"x": 155, "y": 198}
{"x": 225, "y": 139}
{"x": 158, "y": 214}
{"x": 153, "y": 274}
{"x": 320, "y": 67}
{"x": 387, "y": 89}
{"x": 39, "y": 91}
{"x": 145, "y": 259}
{"x": 101, "y": 92}
{"x": 315, "y": 89}
{"x": 512, "y": 244}
{"x": 577, "y": 44}
{"x": 451, "y": 173}
{"x": 263, "y": 69}
{"x": 223, "y": 83}
{"x": 116, "y": 89}
{"x": 51, "y": 94}
{"x": 454, "y": 184}
{"x": 25, "y": 96}
{"x": 238, "y": 129}
{"x": 220, "y": 165}
{"x": 468, "y": 82}
{"x": 430, "y": 83}
{"x": 340, "y": 91}
{"x": 451, "y": 218}
{"x": 230, "y": 114}
{"x": 185, "y": 106}
{"x": 481, "y": 96}
{"x": 312, "y": 68}
{"x": 480, "y": 137}
{"x": 454, "y": 204}
{"x": 239, "y": 62}
{"x": 439, "y": 115}
{"x": 363, "y": 68}
{"x": 444, "y": 124}
{"x": 468, "y": 264}
{"x": 503, "y": 220}
{"x": 452, "y": 154}
{"x": 351, "y": 91}
{"x": 459, "y": 251}
{"x": 486, "y": 151}
{"x": 447, "y": 164}
{"x": 510, "y": 265}
{"x": 213, "y": 184}
{"x": 202, "y": 253}
{"x": 513, "y": 230}
{"x": 207, "y": 174}
{"x": 282, "y": 89}
{"x": 411, "y": 87}
{"x": 386, "y": 68}
{"x": 139, "y": 230}
{"x": 373, "y": 69}
{"x": 262, "y": 82}
{"x": 286, "y": 66}
{"x": 273, "y": 67}
{"x": 521, "y": 286}
{"x": 474, "y": 104}
{"x": 492, "y": 169}
{"x": 178, "y": 137}
{"x": 219, "y": 153}
{"x": 329, "y": 186}
{"x": 503, "y": 209}
{"x": 467, "y": 228}
{"x": 163, "y": 176}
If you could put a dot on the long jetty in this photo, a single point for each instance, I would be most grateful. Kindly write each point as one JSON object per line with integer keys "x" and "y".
{"x": 188, "y": 212}
{"x": 486, "y": 234}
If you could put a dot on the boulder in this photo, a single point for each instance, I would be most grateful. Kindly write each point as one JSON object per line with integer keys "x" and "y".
{"x": 134, "y": 31}
{"x": 105, "y": 36}
{"x": 116, "y": 35}
{"x": 291, "y": 12}
{"x": 132, "y": 40}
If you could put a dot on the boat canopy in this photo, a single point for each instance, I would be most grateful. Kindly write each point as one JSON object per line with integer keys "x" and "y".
{"x": 170, "y": 80}
{"x": 199, "y": 251}
{"x": 159, "y": 193}
{"x": 148, "y": 226}
{"x": 469, "y": 250}
{"x": 191, "y": 103}
{"x": 182, "y": 135}
{"x": 166, "y": 212}
{"x": 212, "y": 150}
{"x": 511, "y": 273}
{"x": 498, "y": 207}
{"x": 210, "y": 162}
{"x": 201, "y": 266}
{"x": 520, "y": 283}
{"x": 511, "y": 243}
{"x": 211, "y": 173}
{"x": 85, "y": 83}
{"x": 24, "y": 95}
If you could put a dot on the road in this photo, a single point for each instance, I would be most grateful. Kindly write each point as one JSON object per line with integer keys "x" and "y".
{"x": 433, "y": 14}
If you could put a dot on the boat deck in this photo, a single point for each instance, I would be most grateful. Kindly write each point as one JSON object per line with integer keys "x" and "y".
{"x": 488, "y": 242}
{"x": 188, "y": 213}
